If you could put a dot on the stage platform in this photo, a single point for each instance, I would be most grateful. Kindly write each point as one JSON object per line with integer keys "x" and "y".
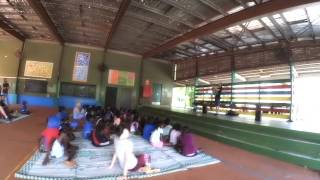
{"x": 294, "y": 142}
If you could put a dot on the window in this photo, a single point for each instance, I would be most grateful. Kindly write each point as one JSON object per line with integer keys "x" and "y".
{"x": 78, "y": 90}
{"x": 36, "y": 86}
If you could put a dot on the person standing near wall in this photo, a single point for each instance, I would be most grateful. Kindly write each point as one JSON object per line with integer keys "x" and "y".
{"x": 217, "y": 98}
{"x": 5, "y": 90}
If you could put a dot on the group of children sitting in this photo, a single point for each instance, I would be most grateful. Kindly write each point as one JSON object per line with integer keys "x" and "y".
{"x": 104, "y": 127}
{"x": 7, "y": 113}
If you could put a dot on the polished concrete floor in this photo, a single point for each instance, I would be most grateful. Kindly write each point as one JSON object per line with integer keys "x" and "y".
{"x": 19, "y": 139}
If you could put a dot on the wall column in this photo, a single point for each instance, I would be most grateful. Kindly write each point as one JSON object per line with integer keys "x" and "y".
{"x": 18, "y": 73}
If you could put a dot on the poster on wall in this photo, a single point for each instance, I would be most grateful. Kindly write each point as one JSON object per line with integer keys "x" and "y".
{"x": 38, "y": 69}
{"x": 81, "y": 67}
{"x": 123, "y": 78}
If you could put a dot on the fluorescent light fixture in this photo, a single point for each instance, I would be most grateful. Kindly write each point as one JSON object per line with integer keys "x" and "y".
{"x": 241, "y": 78}
{"x": 203, "y": 81}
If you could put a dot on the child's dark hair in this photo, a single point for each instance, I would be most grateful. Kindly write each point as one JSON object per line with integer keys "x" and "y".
{"x": 167, "y": 121}
{"x": 186, "y": 129}
{"x": 61, "y": 108}
{"x": 119, "y": 130}
{"x": 177, "y": 127}
{"x": 158, "y": 123}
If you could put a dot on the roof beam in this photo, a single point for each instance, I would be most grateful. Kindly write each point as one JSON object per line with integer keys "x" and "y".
{"x": 238, "y": 38}
{"x": 185, "y": 9}
{"x": 215, "y": 43}
{"x": 214, "y": 6}
{"x": 310, "y": 25}
{"x": 292, "y": 34}
{"x": 238, "y": 17}
{"x": 268, "y": 29}
{"x": 122, "y": 9}
{"x": 252, "y": 34}
{"x": 44, "y": 17}
{"x": 274, "y": 22}
{"x": 222, "y": 41}
{"x": 10, "y": 29}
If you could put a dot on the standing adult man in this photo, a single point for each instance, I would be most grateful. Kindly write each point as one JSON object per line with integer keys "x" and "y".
{"x": 5, "y": 89}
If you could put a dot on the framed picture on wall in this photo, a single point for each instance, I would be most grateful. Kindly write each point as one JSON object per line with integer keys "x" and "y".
{"x": 122, "y": 78}
{"x": 38, "y": 69}
{"x": 81, "y": 67}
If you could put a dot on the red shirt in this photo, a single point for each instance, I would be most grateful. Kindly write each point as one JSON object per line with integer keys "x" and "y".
{"x": 50, "y": 134}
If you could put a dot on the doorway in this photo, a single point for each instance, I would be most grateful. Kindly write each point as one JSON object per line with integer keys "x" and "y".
{"x": 111, "y": 97}
{"x": 125, "y": 97}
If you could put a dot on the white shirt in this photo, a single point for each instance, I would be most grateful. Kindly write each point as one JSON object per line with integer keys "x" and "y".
{"x": 57, "y": 150}
{"x": 156, "y": 136}
{"x": 166, "y": 130}
{"x": 174, "y": 136}
{"x": 124, "y": 152}
{"x": 134, "y": 127}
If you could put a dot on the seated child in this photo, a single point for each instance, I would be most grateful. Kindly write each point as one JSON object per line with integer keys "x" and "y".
{"x": 4, "y": 110}
{"x": 47, "y": 137}
{"x": 167, "y": 128}
{"x": 156, "y": 136}
{"x": 101, "y": 135}
{"x": 87, "y": 129}
{"x": 123, "y": 152}
{"x": 186, "y": 144}
{"x": 175, "y": 134}
{"x": 149, "y": 127}
{"x": 134, "y": 127}
{"x": 62, "y": 147}
{"x": 24, "y": 108}
{"x": 78, "y": 112}
{"x": 62, "y": 114}
{"x": 117, "y": 119}
{"x": 54, "y": 122}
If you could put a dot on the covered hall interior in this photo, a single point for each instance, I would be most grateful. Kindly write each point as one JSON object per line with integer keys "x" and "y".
{"x": 169, "y": 59}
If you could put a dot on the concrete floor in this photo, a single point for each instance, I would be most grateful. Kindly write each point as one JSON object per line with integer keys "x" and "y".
{"x": 19, "y": 139}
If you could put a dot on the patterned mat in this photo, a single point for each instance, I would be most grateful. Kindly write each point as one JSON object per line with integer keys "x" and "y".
{"x": 18, "y": 117}
{"x": 93, "y": 163}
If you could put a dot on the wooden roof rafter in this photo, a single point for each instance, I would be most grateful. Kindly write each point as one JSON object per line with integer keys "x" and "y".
{"x": 235, "y": 18}
{"x": 122, "y": 9}
{"x": 38, "y": 8}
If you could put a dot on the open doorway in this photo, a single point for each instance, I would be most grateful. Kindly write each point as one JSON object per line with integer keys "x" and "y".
{"x": 307, "y": 98}
{"x": 111, "y": 97}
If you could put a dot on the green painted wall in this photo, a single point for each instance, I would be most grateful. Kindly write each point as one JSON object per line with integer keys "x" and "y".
{"x": 51, "y": 52}
{"x": 94, "y": 75}
{"x": 160, "y": 72}
{"x": 122, "y": 62}
{"x": 9, "y": 60}
{"x": 44, "y": 52}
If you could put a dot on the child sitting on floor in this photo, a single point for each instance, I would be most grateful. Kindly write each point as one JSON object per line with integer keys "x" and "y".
{"x": 62, "y": 114}
{"x": 149, "y": 127}
{"x": 175, "y": 134}
{"x": 186, "y": 144}
{"x": 47, "y": 137}
{"x": 128, "y": 161}
{"x": 167, "y": 128}
{"x": 156, "y": 138}
{"x": 4, "y": 110}
{"x": 134, "y": 126}
{"x": 117, "y": 119}
{"x": 60, "y": 148}
{"x": 101, "y": 135}
{"x": 24, "y": 108}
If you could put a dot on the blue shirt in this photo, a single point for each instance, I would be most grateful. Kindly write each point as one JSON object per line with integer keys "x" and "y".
{"x": 147, "y": 130}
